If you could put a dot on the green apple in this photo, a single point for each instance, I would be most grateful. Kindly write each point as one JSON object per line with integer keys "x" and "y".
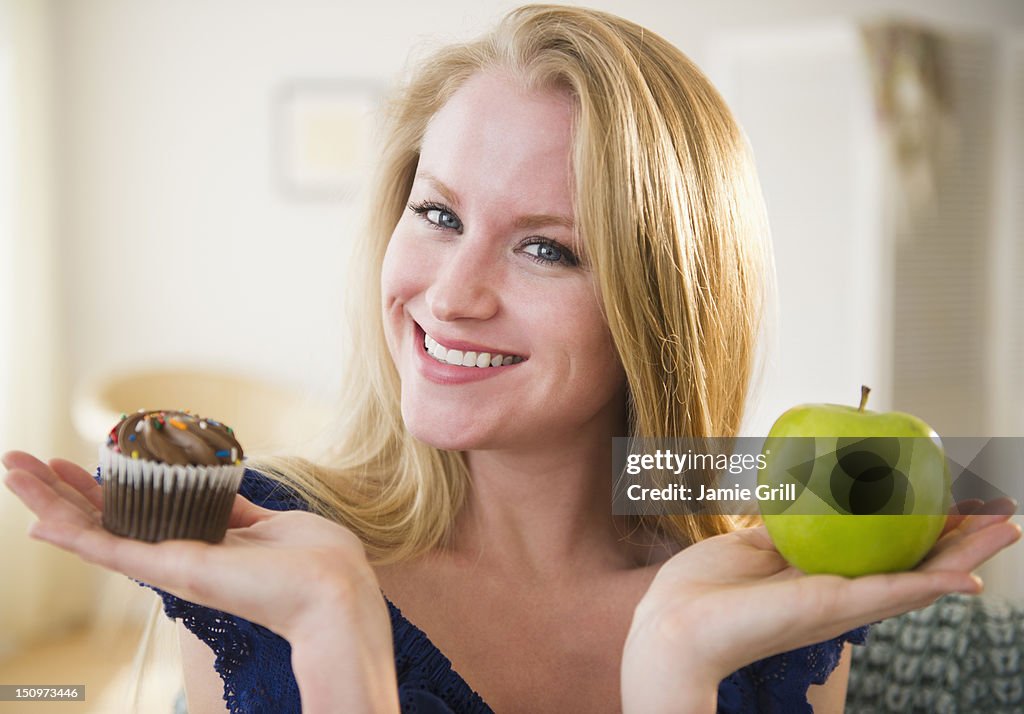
{"x": 873, "y": 489}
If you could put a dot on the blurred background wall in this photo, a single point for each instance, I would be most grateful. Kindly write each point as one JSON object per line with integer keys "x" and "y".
{"x": 149, "y": 219}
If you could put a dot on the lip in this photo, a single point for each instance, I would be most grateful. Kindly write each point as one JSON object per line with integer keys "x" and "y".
{"x": 440, "y": 373}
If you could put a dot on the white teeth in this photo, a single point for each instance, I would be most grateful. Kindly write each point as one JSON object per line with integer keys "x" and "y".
{"x": 479, "y": 360}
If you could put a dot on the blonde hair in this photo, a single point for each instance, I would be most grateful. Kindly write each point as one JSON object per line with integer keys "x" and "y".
{"x": 667, "y": 197}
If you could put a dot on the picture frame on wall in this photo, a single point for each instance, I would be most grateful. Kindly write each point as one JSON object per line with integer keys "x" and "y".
{"x": 324, "y": 136}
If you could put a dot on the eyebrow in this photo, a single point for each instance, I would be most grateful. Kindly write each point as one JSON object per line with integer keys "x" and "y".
{"x": 529, "y": 222}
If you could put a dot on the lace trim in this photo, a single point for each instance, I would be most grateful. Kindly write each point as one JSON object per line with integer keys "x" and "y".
{"x": 778, "y": 684}
{"x": 421, "y": 665}
{"x": 253, "y": 662}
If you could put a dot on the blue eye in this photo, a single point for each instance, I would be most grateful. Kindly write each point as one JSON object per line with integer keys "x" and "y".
{"x": 548, "y": 252}
{"x": 543, "y": 251}
{"x": 443, "y": 218}
{"x": 436, "y": 215}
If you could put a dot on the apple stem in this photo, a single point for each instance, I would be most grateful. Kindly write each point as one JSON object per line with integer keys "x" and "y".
{"x": 865, "y": 390}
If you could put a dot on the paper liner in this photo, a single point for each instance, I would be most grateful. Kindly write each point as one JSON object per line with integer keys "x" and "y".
{"x": 153, "y": 501}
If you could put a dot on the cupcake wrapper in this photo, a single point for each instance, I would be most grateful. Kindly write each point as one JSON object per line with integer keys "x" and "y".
{"x": 153, "y": 501}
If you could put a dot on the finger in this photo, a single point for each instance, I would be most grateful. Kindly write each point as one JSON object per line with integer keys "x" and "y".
{"x": 830, "y": 605}
{"x": 959, "y": 511}
{"x": 966, "y": 506}
{"x": 46, "y": 502}
{"x": 973, "y": 549}
{"x": 999, "y": 506}
{"x": 903, "y": 592}
{"x": 28, "y": 462}
{"x": 877, "y": 597}
{"x": 80, "y": 480}
{"x": 757, "y": 537}
{"x": 971, "y": 524}
{"x": 180, "y": 567}
{"x": 962, "y": 511}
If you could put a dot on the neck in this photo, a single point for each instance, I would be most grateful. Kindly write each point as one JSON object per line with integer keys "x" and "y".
{"x": 546, "y": 513}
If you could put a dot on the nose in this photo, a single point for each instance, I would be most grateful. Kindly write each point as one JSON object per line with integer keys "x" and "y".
{"x": 466, "y": 284}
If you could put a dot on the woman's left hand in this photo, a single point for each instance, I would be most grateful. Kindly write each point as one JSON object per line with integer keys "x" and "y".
{"x": 731, "y": 600}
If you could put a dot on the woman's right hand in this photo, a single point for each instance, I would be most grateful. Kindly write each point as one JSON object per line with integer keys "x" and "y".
{"x": 298, "y": 574}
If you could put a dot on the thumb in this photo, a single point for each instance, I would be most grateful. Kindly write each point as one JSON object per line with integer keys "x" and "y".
{"x": 245, "y": 513}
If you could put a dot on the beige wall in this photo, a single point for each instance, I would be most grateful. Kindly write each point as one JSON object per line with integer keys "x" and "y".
{"x": 178, "y": 245}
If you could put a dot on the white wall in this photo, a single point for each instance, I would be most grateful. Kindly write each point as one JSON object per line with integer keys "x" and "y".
{"x": 803, "y": 98}
{"x": 42, "y": 589}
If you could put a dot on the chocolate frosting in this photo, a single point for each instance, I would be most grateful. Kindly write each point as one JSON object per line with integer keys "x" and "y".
{"x": 175, "y": 437}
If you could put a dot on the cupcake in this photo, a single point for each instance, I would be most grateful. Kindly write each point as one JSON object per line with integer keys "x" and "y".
{"x": 169, "y": 474}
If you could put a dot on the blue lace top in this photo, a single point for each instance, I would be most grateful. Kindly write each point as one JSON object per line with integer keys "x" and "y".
{"x": 255, "y": 663}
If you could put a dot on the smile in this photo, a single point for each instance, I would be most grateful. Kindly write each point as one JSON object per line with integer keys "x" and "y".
{"x": 466, "y": 358}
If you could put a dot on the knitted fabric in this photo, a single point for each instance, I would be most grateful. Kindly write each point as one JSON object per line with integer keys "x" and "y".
{"x": 961, "y": 654}
{"x": 255, "y": 663}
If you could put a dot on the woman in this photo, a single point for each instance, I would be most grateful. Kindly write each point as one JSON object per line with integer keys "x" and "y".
{"x": 570, "y": 245}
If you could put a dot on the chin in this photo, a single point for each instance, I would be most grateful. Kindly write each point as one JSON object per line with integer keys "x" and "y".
{"x": 452, "y": 434}
{"x": 437, "y": 432}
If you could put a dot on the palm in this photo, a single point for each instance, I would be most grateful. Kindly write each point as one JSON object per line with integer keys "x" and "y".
{"x": 229, "y": 576}
{"x": 737, "y": 588}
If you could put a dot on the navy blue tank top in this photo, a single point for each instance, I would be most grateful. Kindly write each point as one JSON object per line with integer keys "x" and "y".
{"x": 255, "y": 663}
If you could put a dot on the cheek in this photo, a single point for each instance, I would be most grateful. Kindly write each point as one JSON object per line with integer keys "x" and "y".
{"x": 596, "y": 359}
{"x": 402, "y": 273}
{"x": 605, "y": 368}
{"x": 397, "y": 288}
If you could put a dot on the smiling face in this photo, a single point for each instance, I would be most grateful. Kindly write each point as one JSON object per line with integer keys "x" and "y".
{"x": 485, "y": 264}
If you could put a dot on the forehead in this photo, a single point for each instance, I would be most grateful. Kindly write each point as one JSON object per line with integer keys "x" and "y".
{"x": 494, "y": 134}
